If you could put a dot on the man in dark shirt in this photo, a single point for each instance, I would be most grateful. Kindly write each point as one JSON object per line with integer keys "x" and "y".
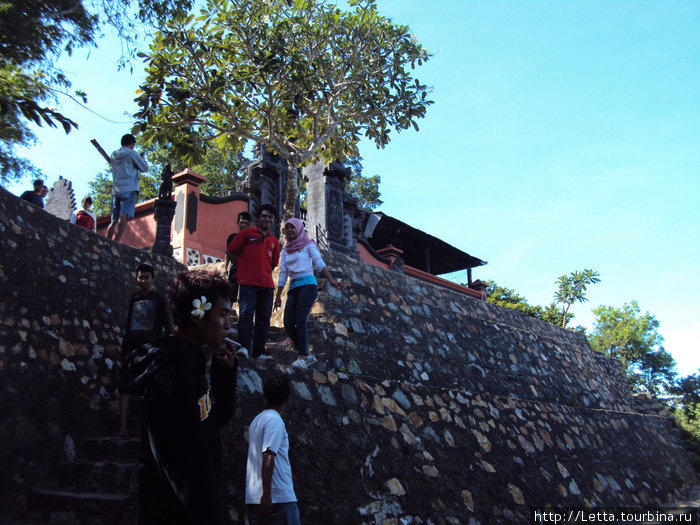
{"x": 180, "y": 476}
{"x": 149, "y": 318}
{"x": 36, "y": 197}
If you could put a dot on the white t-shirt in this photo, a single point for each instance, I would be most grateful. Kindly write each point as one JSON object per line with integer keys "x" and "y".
{"x": 267, "y": 431}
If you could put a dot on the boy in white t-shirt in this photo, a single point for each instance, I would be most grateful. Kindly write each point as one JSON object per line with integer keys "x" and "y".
{"x": 269, "y": 493}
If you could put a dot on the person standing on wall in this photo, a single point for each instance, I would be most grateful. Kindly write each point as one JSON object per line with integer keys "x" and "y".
{"x": 85, "y": 217}
{"x": 149, "y": 318}
{"x": 258, "y": 254}
{"x": 126, "y": 164}
{"x": 180, "y": 475}
{"x": 231, "y": 261}
{"x": 299, "y": 257}
{"x": 269, "y": 492}
{"x": 36, "y": 197}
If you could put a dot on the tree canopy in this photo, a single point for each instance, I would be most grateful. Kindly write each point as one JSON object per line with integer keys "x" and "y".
{"x": 33, "y": 33}
{"x": 633, "y": 339}
{"x": 301, "y": 77}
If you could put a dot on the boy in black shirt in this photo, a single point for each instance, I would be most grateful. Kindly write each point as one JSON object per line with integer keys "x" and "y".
{"x": 149, "y": 319}
{"x": 180, "y": 478}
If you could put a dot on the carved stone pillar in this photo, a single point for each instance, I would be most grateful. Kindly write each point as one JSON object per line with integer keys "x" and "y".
{"x": 265, "y": 182}
{"x": 329, "y": 211}
{"x": 163, "y": 212}
{"x": 61, "y": 200}
{"x": 395, "y": 256}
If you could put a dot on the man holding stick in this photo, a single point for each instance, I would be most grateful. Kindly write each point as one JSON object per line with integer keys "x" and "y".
{"x": 126, "y": 165}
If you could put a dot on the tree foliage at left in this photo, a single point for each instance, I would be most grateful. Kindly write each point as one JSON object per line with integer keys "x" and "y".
{"x": 33, "y": 33}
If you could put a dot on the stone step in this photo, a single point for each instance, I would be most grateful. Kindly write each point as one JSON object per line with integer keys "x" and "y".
{"x": 78, "y": 508}
{"x": 112, "y": 448}
{"x": 100, "y": 476}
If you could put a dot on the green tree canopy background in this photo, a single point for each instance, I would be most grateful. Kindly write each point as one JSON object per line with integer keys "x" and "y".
{"x": 302, "y": 77}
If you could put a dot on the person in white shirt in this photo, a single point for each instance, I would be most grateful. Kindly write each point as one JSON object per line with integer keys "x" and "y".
{"x": 269, "y": 491}
{"x": 126, "y": 164}
{"x": 299, "y": 258}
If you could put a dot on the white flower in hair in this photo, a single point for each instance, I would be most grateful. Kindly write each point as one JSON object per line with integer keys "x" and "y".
{"x": 201, "y": 306}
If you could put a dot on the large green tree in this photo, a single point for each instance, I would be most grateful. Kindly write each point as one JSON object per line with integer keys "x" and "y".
{"x": 301, "y": 77}
{"x": 33, "y": 33}
{"x": 687, "y": 394}
{"x": 364, "y": 189}
{"x": 633, "y": 338}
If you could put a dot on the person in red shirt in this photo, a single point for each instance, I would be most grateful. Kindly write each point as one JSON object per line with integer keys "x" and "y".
{"x": 258, "y": 254}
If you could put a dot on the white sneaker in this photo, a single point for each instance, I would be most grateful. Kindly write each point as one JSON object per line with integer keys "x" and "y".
{"x": 242, "y": 352}
{"x": 264, "y": 357}
{"x": 299, "y": 363}
{"x": 303, "y": 362}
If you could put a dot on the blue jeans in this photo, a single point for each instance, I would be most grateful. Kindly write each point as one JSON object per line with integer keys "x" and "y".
{"x": 296, "y": 315}
{"x": 282, "y": 514}
{"x": 124, "y": 204}
{"x": 254, "y": 301}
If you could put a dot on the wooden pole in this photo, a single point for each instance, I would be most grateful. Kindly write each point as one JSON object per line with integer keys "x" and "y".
{"x": 102, "y": 152}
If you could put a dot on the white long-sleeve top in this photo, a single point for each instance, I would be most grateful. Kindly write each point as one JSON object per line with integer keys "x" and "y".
{"x": 300, "y": 264}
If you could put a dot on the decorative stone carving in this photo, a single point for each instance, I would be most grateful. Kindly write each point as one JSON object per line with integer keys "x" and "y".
{"x": 166, "y": 187}
{"x": 163, "y": 212}
{"x": 61, "y": 200}
{"x": 210, "y": 259}
{"x": 193, "y": 257}
{"x": 331, "y": 213}
{"x": 264, "y": 181}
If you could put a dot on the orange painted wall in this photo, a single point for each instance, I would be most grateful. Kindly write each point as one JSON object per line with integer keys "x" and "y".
{"x": 368, "y": 258}
{"x": 215, "y": 222}
{"x": 140, "y": 231}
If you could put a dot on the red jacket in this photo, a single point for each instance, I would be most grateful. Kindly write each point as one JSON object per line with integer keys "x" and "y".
{"x": 258, "y": 255}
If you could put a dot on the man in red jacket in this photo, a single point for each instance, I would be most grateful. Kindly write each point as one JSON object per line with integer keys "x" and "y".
{"x": 258, "y": 254}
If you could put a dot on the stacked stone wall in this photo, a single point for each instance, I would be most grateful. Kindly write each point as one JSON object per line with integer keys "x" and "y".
{"x": 369, "y": 451}
{"x": 64, "y": 294}
{"x": 425, "y": 406}
{"x": 432, "y": 336}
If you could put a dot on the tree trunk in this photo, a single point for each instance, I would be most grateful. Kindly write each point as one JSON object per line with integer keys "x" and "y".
{"x": 292, "y": 196}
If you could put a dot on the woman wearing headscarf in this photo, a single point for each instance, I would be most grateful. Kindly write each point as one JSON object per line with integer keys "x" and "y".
{"x": 299, "y": 258}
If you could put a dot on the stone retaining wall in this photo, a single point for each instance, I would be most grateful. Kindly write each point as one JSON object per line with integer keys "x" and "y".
{"x": 368, "y": 451}
{"x": 426, "y": 406}
{"x": 390, "y": 325}
{"x": 64, "y": 294}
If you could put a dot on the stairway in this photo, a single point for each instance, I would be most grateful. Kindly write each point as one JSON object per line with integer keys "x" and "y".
{"x": 98, "y": 488}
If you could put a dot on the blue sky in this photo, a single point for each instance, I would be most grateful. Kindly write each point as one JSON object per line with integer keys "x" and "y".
{"x": 564, "y": 135}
